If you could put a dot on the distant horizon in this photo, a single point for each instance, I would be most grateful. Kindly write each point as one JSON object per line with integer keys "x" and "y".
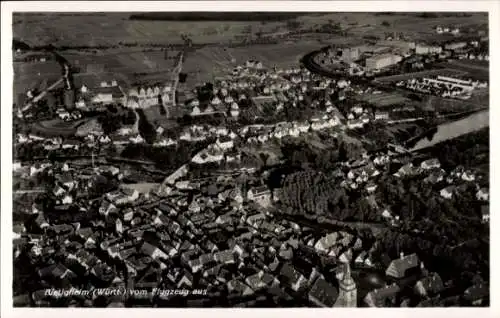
{"x": 238, "y": 15}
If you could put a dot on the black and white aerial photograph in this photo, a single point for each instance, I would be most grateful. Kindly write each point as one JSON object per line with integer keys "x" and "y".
{"x": 250, "y": 159}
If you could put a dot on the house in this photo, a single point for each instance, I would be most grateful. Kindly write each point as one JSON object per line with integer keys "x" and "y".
{"x": 322, "y": 293}
{"x": 292, "y": 278}
{"x": 237, "y": 287}
{"x": 447, "y": 192}
{"x": 429, "y": 286}
{"x": 67, "y": 181}
{"x": 137, "y": 139}
{"x": 59, "y": 191}
{"x": 258, "y": 280}
{"x": 371, "y": 187}
{"x": 186, "y": 281}
{"x": 483, "y": 194}
{"x": 261, "y": 195}
{"x": 398, "y": 267}
{"x": 379, "y": 297}
{"x": 406, "y": 170}
{"x": 325, "y": 243}
{"x": 67, "y": 199}
{"x": 153, "y": 251}
{"x": 435, "y": 176}
{"x": 107, "y": 208}
{"x": 379, "y": 115}
{"x": 256, "y": 219}
{"x": 476, "y": 294}
{"x": 485, "y": 211}
{"x": 430, "y": 164}
{"x": 225, "y": 143}
{"x": 56, "y": 271}
{"x": 468, "y": 176}
{"x": 355, "y": 123}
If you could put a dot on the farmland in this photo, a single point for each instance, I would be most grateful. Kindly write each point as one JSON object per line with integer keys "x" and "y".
{"x": 477, "y": 70}
{"x": 112, "y": 29}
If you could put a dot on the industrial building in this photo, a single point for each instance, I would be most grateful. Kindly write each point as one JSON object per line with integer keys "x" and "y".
{"x": 350, "y": 54}
{"x": 455, "y": 45}
{"x": 381, "y": 61}
{"x": 423, "y": 49}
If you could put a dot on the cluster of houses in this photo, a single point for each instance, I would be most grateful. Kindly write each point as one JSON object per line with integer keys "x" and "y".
{"x": 145, "y": 97}
{"x": 443, "y": 86}
{"x": 68, "y": 116}
{"x": 447, "y": 29}
{"x": 264, "y": 133}
{"x": 358, "y": 117}
{"x": 177, "y": 235}
{"x": 456, "y": 180}
{"x": 139, "y": 236}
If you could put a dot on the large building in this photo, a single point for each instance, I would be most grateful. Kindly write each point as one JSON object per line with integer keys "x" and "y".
{"x": 381, "y": 61}
{"x": 423, "y": 49}
{"x": 455, "y": 45}
{"x": 350, "y": 54}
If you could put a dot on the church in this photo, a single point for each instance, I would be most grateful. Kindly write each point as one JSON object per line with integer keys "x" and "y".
{"x": 347, "y": 289}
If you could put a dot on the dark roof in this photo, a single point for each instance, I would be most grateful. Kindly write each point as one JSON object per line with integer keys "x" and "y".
{"x": 290, "y": 274}
{"x": 433, "y": 283}
{"x": 398, "y": 267}
{"x": 114, "y": 90}
{"x": 379, "y": 295}
{"x": 323, "y": 293}
{"x": 476, "y": 292}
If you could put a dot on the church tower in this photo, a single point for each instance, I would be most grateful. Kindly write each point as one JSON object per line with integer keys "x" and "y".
{"x": 347, "y": 290}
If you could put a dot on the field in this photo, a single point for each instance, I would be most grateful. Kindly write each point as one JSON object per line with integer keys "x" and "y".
{"x": 448, "y": 105}
{"x": 416, "y": 75}
{"x": 384, "y": 99}
{"x": 477, "y": 70}
{"x": 414, "y": 27}
{"x": 32, "y": 75}
{"x": 109, "y": 29}
{"x": 130, "y": 66}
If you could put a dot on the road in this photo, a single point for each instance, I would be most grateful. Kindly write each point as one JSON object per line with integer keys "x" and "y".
{"x": 31, "y": 191}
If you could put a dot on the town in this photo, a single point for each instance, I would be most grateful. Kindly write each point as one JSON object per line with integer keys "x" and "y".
{"x": 343, "y": 179}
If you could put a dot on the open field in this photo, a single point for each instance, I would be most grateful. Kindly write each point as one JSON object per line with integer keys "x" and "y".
{"x": 384, "y": 99}
{"x": 122, "y": 61}
{"x": 448, "y": 105}
{"x": 477, "y": 70}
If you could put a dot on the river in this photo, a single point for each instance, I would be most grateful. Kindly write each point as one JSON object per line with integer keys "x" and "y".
{"x": 454, "y": 129}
